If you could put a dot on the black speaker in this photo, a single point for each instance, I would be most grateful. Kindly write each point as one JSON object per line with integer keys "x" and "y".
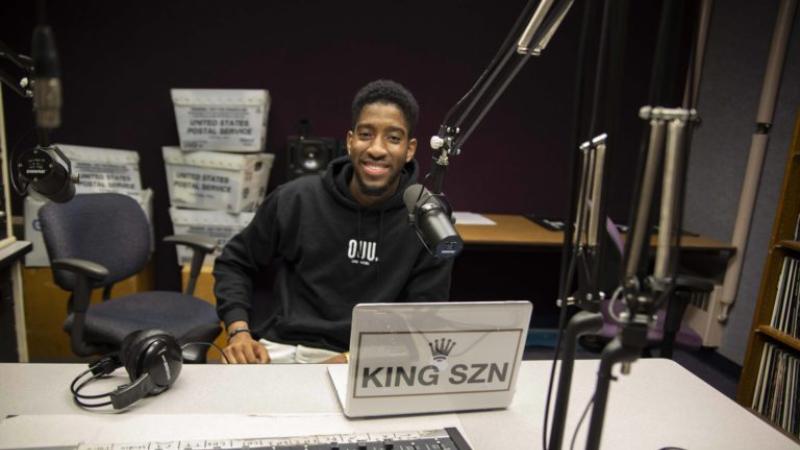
{"x": 153, "y": 361}
{"x": 310, "y": 155}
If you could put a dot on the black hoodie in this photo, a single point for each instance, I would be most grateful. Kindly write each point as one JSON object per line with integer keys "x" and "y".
{"x": 333, "y": 253}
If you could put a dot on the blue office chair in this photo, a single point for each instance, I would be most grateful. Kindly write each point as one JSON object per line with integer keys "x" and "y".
{"x": 96, "y": 240}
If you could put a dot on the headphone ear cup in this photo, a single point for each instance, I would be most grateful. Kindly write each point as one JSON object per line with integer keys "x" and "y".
{"x": 133, "y": 348}
{"x": 125, "y": 347}
{"x": 153, "y": 360}
{"x": 160, "y": 358}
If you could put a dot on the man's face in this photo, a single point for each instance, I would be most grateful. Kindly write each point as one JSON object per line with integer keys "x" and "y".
{"x": 379, "y": 146}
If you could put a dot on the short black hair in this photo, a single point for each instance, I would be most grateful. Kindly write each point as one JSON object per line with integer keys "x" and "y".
{"x": 387, "y": 91}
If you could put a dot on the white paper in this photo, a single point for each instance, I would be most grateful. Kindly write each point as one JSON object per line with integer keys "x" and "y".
{"x": 470, "y": 218}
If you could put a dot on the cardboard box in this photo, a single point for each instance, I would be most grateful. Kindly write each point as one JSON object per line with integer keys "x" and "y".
{"x": 217, "y": 181}
{"x": 219, "y": 225}
{"x": 37, "y": 257}
{"x": 104, "y": 169}
{"x": 232, "y": 120}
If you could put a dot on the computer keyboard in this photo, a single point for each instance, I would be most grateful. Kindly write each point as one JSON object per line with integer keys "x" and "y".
{"x": 439, "y": 439}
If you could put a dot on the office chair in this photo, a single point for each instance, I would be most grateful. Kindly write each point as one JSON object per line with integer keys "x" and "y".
{"x": 667, "y": 331}
{"x": 96, "y": 240}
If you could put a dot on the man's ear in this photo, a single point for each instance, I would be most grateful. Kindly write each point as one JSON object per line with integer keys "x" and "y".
{"x": 412, "y": 149}
{"x": 349, "y": 141}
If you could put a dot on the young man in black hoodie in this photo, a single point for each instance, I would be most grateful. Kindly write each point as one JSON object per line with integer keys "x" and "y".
{"x": 341, "y": 238}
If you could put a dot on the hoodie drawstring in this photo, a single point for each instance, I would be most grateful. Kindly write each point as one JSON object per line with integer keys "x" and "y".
{"x": 358, "y": 229}
{"x": 378, "y": 249}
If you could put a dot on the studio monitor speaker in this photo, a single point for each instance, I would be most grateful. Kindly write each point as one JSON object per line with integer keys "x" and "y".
{"x": 310, "y": 155}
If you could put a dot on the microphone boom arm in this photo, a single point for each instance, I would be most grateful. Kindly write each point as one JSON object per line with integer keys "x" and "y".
{"x": 540, "y": 29}
{"x": 21, "y": 86}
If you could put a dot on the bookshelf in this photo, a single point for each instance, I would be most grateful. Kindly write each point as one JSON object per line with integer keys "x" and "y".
{"x": 771, "y": 339}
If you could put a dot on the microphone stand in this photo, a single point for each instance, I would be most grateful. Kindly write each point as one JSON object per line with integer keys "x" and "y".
{"x": 669, "y": 127}
{"x": 644, "y": 295}
{"x": 585, "y": 240}
{"x": 668, "y": 145}
{"x": 587, "y": 211}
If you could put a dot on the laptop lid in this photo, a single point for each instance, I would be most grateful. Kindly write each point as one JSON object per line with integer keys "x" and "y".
{"x": 408, "y": 358}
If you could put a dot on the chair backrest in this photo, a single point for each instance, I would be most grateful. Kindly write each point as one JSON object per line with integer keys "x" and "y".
{"x": 107, "y": 229}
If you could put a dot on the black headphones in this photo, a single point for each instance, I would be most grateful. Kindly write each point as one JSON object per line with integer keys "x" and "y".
{"x": 153, "y": 361}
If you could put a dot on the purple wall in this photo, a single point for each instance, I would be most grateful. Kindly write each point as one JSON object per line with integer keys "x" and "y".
{"x": 119, "y": 60}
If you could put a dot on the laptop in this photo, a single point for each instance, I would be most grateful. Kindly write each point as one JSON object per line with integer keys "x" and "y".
{"x": 411, "y": 358}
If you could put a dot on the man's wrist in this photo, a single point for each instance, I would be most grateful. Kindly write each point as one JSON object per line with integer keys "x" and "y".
{"x": 237, "y": 331}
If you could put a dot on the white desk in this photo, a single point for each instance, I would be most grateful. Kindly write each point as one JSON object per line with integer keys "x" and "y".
{"x": 659, "y": 405}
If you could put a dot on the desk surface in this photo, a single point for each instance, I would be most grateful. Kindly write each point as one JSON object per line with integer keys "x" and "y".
{"x": 659, "y": 405}
{"x": 512, "y": 229}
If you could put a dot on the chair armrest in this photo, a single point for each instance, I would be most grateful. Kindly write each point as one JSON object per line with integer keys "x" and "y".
{"x": 203, "y": 244}
{"x": 87, "y": 274}
{"x": 697, "y": 284}
{"x": 81, "y": 267}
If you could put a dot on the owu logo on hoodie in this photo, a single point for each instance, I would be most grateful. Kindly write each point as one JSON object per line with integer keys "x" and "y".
{"x": 362, "y": 252}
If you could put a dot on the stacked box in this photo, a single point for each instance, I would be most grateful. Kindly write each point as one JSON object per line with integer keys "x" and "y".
{"x": 224, "y": 120}
{"x": 216, "y": 181}
{"x": 219, "y": 225}
{"x": 219, "y": 174}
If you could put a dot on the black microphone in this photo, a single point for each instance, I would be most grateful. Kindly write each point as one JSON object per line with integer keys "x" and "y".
{"x": 44, "y": 168}
{"x": 46, "y": 81}
{"x": 431, "y": 217}
{"x": 39, "y": 169}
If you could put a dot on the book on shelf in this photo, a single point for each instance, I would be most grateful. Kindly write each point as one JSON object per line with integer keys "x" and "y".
{"x": 786, "y": 310}
{"x": 777, "y": 393}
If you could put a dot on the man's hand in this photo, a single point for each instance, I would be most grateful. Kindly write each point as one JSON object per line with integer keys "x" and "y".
{"x": 338, "y": 359}
{"x": 243, "y": 349}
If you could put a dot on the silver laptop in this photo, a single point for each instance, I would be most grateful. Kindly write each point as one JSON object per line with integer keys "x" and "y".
{"x": 409, "y": 358}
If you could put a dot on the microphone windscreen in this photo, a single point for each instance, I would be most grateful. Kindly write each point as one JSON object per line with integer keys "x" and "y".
{"x": 43, "y": 52}
{"x": 412, "y": 194}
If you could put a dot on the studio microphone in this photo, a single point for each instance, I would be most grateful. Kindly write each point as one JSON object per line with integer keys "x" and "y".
{"x": 44, "y": 168}
{"x": 46, "y": 81}
{"x": 430, "y": 216}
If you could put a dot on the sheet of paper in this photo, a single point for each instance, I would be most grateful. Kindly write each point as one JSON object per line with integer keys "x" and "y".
{"x": 70, "y": 430}
{"x": 470, "y": 218}
{"x": 338, "y": 374}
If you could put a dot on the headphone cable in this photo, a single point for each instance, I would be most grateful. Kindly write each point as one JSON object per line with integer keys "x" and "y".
{"x": 580, "y": 422}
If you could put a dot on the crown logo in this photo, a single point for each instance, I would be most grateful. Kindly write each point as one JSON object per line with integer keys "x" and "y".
{"x": 441, "y": 348}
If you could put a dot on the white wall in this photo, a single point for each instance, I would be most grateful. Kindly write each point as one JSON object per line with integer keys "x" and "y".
{"x": 736, "y": 55}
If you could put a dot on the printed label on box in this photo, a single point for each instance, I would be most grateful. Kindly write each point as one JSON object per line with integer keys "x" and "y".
{"x": 216, "y": 181}
{"x": 106, "y": 176}
{"x": 207, "y": 127}
{"x": 191, "y": 187}
{"x": 221, "y": 119}
{"x": 104, "y": 169}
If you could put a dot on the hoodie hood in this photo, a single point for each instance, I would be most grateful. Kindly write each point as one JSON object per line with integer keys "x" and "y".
{"x": 337, "y": 182}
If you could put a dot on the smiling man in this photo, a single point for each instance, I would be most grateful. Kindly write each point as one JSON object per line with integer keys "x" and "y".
{"x": 338, "y": 239}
